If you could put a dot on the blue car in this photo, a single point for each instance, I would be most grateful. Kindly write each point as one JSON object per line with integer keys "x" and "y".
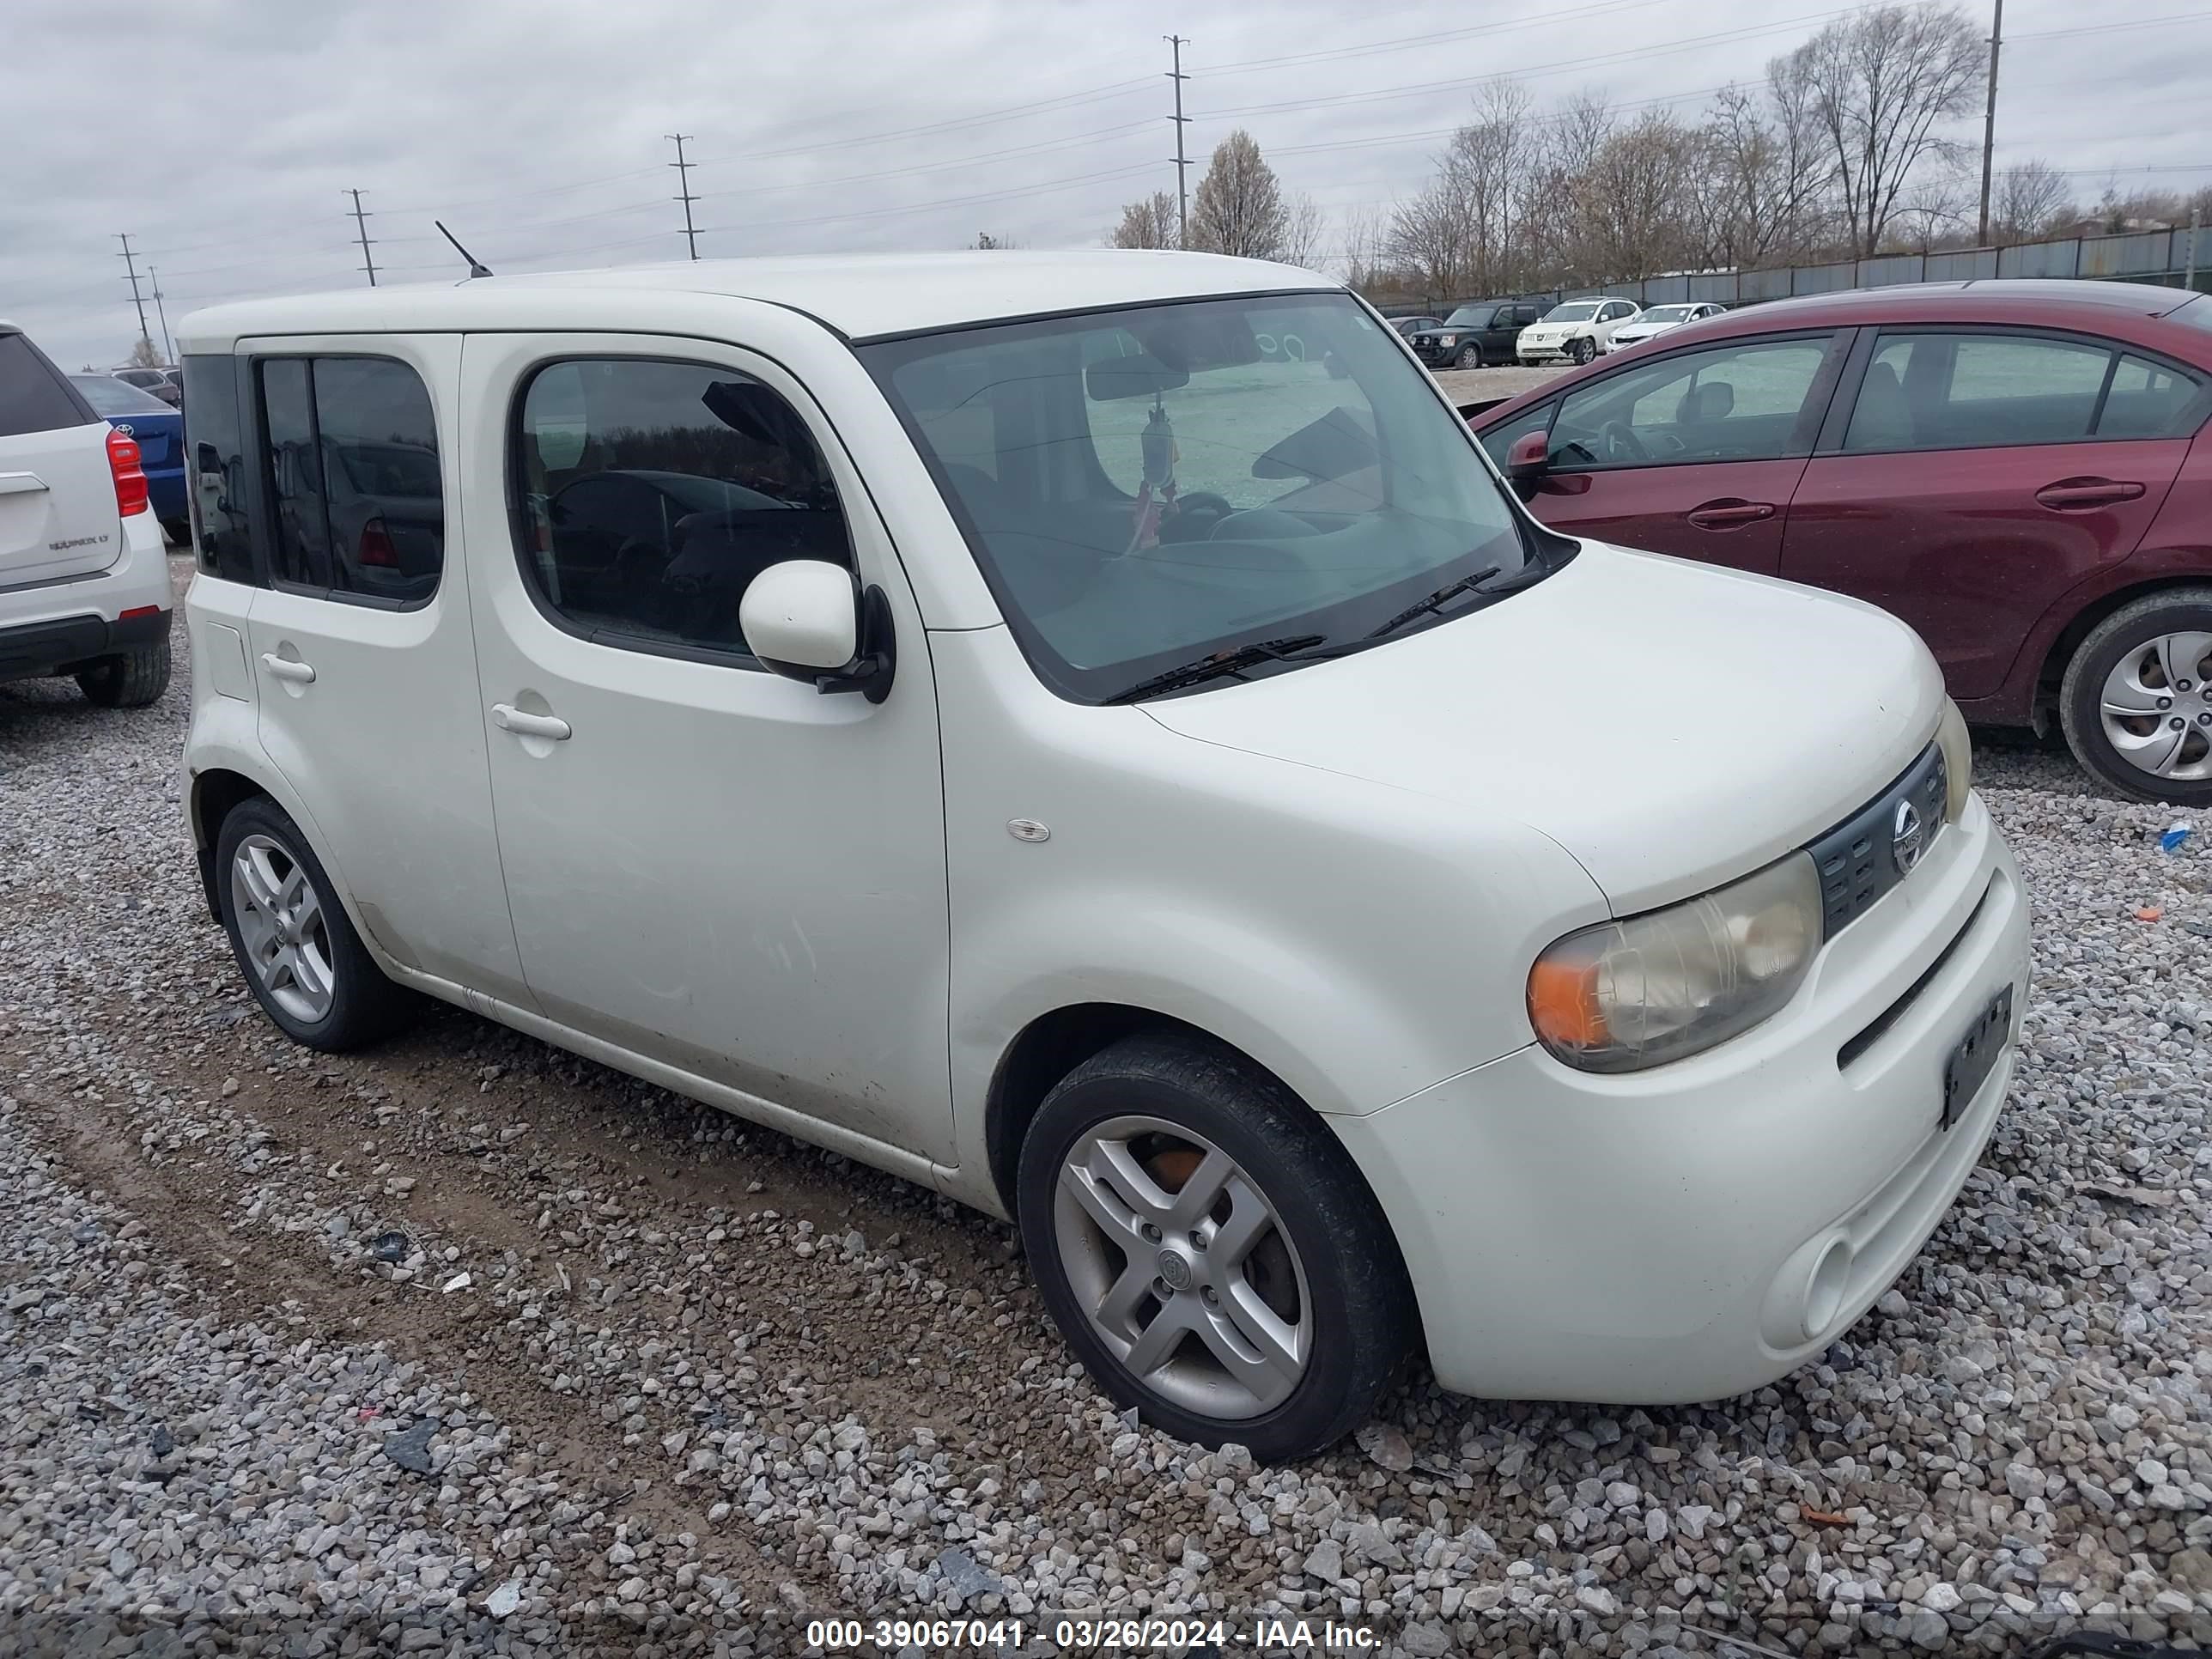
{"x": 159, "y": 433}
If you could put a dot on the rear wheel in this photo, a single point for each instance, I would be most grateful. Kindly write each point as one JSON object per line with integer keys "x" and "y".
{"x": 129, "y": 679}
{"x": 301, "y": 957}
{"x": 2137, "y": 700}
{"x": 1210, "y": 1250}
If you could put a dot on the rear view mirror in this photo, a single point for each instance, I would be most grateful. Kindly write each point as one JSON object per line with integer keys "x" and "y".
{"x": 805, "y": 619}
{"x": 1139, "y": 375}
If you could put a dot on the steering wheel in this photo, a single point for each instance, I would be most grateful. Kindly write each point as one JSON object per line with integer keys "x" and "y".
{"x": 1621, "y": 443}
{"x": 1194, "y": 517}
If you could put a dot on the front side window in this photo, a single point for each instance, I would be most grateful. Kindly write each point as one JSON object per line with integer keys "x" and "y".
{"x": 215, "y": 470}
{"x": 1146, "y": 487}
{"x": 1977, "y": 390}
{"x": 650, "y": 494}
{"x": 356, "y": 497}
{"x": 1733, "y": 403}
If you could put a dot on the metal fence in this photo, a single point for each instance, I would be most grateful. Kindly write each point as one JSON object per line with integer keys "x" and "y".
{"x": 2157, "y": 256}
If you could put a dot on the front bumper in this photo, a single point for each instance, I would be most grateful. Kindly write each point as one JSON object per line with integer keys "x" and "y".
{"x": 1695, "y": 1231}
{"x": 1552, "y": 351}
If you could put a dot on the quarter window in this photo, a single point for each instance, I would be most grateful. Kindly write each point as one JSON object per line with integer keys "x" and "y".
{"x": 215, "y": 470}
{"x": 1732, "y": 402}
{"x": 355, "y": 494}
{"x": 651, "y": 493}
{"x": 2147, "y": 400}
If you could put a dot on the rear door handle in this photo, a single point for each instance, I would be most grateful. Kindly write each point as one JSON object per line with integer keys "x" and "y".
{"x": 523, "y": 724}
{"x": 1729, "y": 512}
{"x": 19, "y": 483}
{"x": 288, "y": 668}
{"x": 2088, "y": 492}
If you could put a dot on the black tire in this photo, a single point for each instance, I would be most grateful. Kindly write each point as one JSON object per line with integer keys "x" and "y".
{"x": 178, "y": 533}
{"x": 2081, "y": 695}
{"x": 364, "y": 1005}
{"x": 1470, "y": 357}
{"x": 1580, "y": 351}
{"x": 1355, "y": 1289}
{"x": 129, "y": 679}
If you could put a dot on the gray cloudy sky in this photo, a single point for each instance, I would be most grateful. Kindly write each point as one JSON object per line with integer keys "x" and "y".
{"x": 222, "y": 133}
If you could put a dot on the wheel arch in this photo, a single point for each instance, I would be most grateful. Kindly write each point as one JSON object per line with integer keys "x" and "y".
{"x": 216, "y": 794}
{"x": 2052, "y": 673}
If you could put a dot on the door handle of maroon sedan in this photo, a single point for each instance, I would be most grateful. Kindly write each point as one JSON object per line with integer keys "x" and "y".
{"x": 2088, "y": 492}
{"x": 1729, "y": 512}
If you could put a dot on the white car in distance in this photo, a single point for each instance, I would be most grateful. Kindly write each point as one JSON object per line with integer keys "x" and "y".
{"x": 985, "y": 714}
{"x": 1657, "y": 319}
{"x": 1572, "y": 332}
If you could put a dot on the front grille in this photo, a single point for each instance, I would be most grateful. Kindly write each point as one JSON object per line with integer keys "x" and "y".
{"x": 1863, "y": 857}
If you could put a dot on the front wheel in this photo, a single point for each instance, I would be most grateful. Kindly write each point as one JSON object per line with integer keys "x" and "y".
{"x": 1470, "y": 357}
{"x": 1582, "y": 350}
{"x": 2137, "y": 700}
{"x": 1210, "y": 1251}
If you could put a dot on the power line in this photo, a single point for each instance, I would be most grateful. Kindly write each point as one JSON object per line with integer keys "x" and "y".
{"x": 683, "y": 189}
{"x": 361, "y": 224}
{"x": 1182, "y": 161}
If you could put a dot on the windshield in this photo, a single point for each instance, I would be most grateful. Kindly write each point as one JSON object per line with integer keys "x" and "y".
{"x": 1147, "y": 487}
{"x": 1576, "y": 311}
{"x": 1667, "y": 314}
{"x": 1470, "y": 316}
{"x": 109, "y": 396}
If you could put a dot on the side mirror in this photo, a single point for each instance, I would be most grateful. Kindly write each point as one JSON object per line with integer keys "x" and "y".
{"x": 803, "y": 619}
{"x": 1526, "y": 461}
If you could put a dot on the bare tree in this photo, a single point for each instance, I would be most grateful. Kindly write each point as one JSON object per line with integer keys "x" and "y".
{"x": 2032, "y": 200}
{"x": 985, "y": 239}
{"x": 1635, "y": 201}
{"x": 1149, "y": 223}
{"x": 1237, "y": 207}
{"x": 1881, "y": 82}
{"x": 144, "y": 354}
{"x": 1366, "y": 234}
{"x": 1765, "y": 172}
{"x": 1464, "y": 232}
{"x": 1304, "y": 225}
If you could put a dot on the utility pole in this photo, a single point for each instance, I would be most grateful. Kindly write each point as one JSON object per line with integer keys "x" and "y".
{"x": 1989, "y": 121}
{"x": 683, "y": 184}
{"x": 361, "y": 229}
{"x": 132, "y": 265}
{"x": 2188, "y": 272}
{"x": 1183, "y": 193}
{"x": 168, "y": 351}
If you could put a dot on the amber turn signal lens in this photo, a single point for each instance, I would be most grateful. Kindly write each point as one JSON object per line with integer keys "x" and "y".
{"x": 1563, "y": 1004}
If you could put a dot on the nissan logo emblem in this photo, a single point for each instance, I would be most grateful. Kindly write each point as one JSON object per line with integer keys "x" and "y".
{"x": 1908, "y": 837}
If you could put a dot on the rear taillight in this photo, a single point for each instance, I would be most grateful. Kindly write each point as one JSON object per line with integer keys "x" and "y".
{"x": 130, "y": 495}
{"x": 376, "y": 545}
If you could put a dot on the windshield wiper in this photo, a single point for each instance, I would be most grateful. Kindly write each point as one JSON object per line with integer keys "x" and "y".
{"x": 1450, "y": 591}
{"x": 1217, "y": 665}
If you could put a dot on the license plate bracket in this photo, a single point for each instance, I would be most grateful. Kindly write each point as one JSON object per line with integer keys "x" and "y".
{"x": 1975, "y": 1055}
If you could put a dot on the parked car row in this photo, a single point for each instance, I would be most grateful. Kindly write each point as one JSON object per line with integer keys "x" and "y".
{"x": 1510, "y": 331}
{"x": 2017, "y": 469}
{"x": 165, "y": 384}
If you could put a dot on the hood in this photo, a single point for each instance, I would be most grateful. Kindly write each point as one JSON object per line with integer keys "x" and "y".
{"x": 1671, "y": 725}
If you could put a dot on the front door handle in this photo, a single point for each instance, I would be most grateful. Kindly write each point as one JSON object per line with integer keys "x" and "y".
{"x": 2088, "y": 492}
{"x": 523, "y": 724}
{"x": 288, "y": 668}
{"x": 1729, "y": 512}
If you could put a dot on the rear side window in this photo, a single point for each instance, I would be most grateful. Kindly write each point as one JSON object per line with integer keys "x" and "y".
{"x": 2149, "y": 400}
{"x": 356, "y": 498}
{"x": 1977, "y": 391}
{"x": 650, "y": 494}
{"x": 215, "y": 470}
{"x": 34, "y": 397}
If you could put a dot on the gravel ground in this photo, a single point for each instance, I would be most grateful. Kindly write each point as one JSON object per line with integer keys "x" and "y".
{"x": 646, "y": 1380}
{"x": 1465, "y": 386}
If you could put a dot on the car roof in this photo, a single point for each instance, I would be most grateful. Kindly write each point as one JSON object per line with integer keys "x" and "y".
{"x": 859, "y": 296}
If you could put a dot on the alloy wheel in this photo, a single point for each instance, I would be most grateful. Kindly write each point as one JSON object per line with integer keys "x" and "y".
{"x": 2157, "y": 707}
{"x": 1181, "y": 1265}
{"x": 282, "y": 926}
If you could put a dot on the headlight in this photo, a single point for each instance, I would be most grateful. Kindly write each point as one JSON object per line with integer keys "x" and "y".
{"x": 1624, "y": 995}
{"x": 1447, "y": 339}
{"x": 1958, "y": 747}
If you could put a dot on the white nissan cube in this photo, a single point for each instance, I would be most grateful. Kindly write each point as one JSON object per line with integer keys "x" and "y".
{"x": 985, "y": 714}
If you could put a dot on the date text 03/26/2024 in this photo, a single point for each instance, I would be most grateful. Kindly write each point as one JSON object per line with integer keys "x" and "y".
{"x": 1093, "y": 1636}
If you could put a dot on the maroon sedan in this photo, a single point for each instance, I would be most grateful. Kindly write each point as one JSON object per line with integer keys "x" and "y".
{"x": 2018, "y": 468}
